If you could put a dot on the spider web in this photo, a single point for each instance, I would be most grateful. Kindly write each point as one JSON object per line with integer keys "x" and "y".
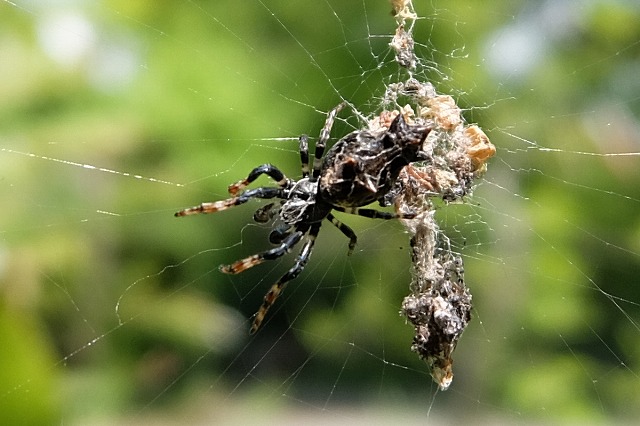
{"x": 115, "y": 115}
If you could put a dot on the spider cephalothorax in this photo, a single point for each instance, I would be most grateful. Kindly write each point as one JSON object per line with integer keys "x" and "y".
{"x": 359, "y": 169}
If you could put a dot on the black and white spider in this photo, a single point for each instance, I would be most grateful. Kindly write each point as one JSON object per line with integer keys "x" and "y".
{"x": 359, "y": 169}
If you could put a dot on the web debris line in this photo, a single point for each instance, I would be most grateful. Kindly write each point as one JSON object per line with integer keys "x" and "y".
{"x": 89, "y": 167}
{"x": 439, "y": 306}
{"x": 531, "y": 145}
{"x": 73, "y": 303}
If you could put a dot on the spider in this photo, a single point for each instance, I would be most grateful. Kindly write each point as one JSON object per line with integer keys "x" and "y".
{"x": 359, "y": 169}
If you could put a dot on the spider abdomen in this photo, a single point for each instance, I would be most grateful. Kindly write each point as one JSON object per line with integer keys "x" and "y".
{"x": 362, "y": 167}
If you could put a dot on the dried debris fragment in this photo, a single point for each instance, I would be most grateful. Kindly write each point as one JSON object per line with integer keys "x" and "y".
{"x": 439, "y": 312}
{"x": 403, "y": 10}
{"x": 455, "y": 155}
{"x": 402, "y": 44}
{"x": 439, "y": 306}
{"x": 402, "y": 41}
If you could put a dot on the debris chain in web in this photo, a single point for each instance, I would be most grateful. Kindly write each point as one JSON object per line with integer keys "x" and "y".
{"x": 439, "y": 306}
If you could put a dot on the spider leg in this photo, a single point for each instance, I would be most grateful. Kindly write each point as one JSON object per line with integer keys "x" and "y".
{"x": 256, "y": 259}
{"x": 265, "y": 213}
{"x": 216, "y": 206}
{"x": 278, "y": 287}
{"x": 304, "y": 155}
{"x": 265, "y": 169}
{"x": 279, "y": 233}
{"x": 322, "y": 140}
{"x": 353, "y": 239}
{"x": 374, "y": 214}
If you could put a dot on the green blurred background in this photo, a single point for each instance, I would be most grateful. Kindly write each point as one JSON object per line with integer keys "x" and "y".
{"x": 116, "y": 114}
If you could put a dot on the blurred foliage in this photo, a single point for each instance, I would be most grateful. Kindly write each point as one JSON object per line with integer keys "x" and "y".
{"x": 109, "y": 305}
